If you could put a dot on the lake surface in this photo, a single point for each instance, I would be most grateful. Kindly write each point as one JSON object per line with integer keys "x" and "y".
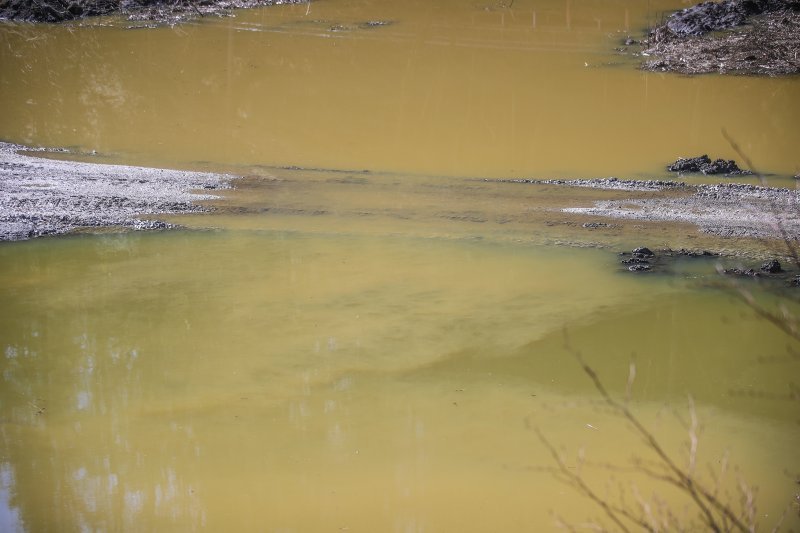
{"x": 365, "y": 335}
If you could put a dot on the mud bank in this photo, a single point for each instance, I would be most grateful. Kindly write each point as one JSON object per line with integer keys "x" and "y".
{"x": 48, "y": 197}
{"x": 724, "y": 210}
{"x": 745, "y": 37}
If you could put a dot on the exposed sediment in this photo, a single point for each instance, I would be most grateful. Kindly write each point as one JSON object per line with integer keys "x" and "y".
{"x": 607, "y": 183}
{"x": 725, "y": 210}
{"x": 41, "y": 196}
{"x": 751, "y": 37}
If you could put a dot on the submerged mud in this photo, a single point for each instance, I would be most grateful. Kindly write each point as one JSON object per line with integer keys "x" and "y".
{"x": 47, "y": 197}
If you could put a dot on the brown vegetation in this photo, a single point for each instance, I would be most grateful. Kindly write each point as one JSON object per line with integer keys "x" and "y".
{"x": 754, "y": 37}
{"x": 769, "y": 45}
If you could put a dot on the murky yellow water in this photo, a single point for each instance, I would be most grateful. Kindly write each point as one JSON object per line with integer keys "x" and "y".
{"x": 459, "y": 88}
{"x": 373, "y": 351}
{"x": 269, "y": 381}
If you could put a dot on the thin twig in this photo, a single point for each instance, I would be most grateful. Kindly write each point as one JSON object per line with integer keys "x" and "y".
{"x": 613, "y": 512}
{"x": 703, "y": 498}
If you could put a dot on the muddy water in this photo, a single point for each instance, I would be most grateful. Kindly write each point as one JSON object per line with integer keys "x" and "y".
{"x": 373, "y": 351}
{"x": 336, "y": 381}
{"x": 459, "y": 88}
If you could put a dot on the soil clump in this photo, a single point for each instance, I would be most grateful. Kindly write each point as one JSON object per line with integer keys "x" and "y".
{"x": 642, "y": 259}
{"x": 704, "y": 165}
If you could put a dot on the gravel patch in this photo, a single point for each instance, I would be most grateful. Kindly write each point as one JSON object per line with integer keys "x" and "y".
{"x": 48, "y": 197}
{"x": 725, "y": 210}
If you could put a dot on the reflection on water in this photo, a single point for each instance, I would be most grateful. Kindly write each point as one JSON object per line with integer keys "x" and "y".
{"x": 370, "y": 351}
{"x": 9, "y": 513}
{"x": 264, "y": 379}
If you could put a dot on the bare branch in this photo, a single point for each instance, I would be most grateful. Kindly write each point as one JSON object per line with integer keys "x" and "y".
{"x": 704, "y": 499}
{"x": 614, "y": 513}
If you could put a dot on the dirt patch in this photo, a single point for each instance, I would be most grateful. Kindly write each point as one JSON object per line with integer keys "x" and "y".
{"x": 748, "y": 37}
{"x": 41, "y": 196}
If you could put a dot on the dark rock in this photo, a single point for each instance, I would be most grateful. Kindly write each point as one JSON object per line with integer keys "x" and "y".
{"x": 639, "y": 267}
{"x": 714, "y": 16}
{"x": 75, "y": 9}
{"x": 772, "y": 266}
{"x": 693, "y": 164}
{"x": 795, "y": 282}
{"x": 643, "y": 251}
{"x": 728, "y": 168}
{"x": 703, "y": 164}
{"x": 708, "y": 16}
